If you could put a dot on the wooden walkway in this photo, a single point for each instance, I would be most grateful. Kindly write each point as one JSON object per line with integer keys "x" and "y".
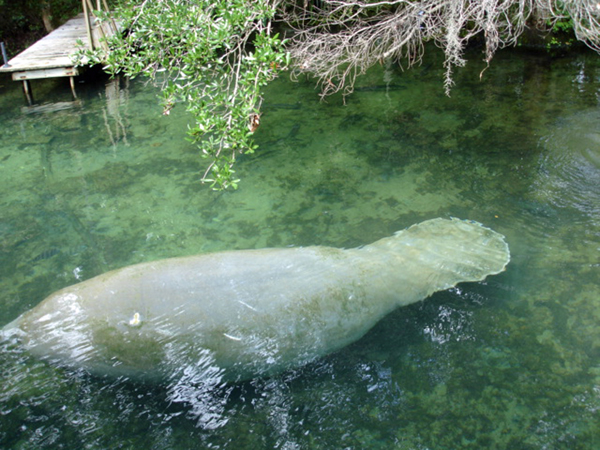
{"x": 52, "y": 56}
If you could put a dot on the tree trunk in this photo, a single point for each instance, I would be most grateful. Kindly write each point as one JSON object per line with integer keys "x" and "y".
{"x": 47, "y": 17}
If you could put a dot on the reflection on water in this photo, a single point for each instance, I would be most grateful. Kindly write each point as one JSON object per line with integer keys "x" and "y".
{"x": 117, "y": 100}
{"x": 511, "y": 362}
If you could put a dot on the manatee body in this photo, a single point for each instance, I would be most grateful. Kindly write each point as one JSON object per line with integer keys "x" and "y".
{"x": 241, "y": 314}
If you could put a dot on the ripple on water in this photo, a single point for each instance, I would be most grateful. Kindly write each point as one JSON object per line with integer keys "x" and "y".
{"x": 569, "y": 166}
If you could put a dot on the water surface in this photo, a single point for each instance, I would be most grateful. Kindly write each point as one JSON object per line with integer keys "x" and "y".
{"x": 512, "y": 362}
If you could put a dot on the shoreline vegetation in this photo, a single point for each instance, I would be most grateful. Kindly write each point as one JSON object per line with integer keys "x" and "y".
{"x": 24, "y": 24}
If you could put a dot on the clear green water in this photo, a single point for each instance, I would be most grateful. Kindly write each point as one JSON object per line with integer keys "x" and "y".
{"x": 513, "y": 362}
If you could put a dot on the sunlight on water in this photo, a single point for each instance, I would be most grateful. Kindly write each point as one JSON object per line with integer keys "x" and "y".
{"x": 510, "y": 362}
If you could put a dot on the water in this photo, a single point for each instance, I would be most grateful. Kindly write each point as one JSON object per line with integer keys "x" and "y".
{"x": 512, "y": 362}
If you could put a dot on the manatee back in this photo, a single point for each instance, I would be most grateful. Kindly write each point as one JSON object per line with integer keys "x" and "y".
{"x": 250, "y": 312}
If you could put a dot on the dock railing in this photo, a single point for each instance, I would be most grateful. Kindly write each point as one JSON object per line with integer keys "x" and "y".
{"x": 98, "y": 30}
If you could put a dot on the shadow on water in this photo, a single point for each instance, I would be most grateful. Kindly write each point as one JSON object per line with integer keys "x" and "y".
{"x": 511, "y": 362}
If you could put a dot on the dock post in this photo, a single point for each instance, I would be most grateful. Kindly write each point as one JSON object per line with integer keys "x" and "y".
{"x": 28, "y": 94}
{"x": 72, "y": 81}
{"x": 88, "y": 25}
{"x": 4, "y": 57}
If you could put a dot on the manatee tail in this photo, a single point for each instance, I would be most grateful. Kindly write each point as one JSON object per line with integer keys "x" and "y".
{"x": 440, "y": 253}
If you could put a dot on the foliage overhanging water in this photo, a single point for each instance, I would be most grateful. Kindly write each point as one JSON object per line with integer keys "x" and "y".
{"x": 512, "y": 362}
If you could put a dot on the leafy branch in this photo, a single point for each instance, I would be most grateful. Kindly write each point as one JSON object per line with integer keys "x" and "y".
{"x": 214, "y": 57}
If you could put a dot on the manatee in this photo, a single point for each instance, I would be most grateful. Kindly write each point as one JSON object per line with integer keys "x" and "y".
{"x": 243, "y": 314}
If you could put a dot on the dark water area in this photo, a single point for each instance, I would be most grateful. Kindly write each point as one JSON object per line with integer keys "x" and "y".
{"x": 510, "y": 362}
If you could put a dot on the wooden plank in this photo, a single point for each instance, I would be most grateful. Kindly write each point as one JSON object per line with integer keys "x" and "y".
{"x": 54, "y": 50}
{"x": 52, "y": 56}
{"x": 51, "y": 107}
{"x": 56, "y": 72}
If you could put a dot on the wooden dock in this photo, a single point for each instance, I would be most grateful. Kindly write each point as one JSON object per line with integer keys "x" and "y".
{"x": 52, "y": 56}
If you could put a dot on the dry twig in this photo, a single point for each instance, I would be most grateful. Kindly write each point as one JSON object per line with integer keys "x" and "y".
{"x": 341, "y": 39}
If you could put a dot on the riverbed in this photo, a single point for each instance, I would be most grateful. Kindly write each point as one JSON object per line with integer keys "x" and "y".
{"x": 510, "y": 362}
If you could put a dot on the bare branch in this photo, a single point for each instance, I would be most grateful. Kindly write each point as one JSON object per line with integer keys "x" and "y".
{"x": 341, "y": 39}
